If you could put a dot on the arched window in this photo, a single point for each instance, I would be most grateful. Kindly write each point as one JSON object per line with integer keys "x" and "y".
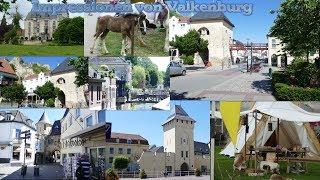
{"x": 204, "y": 31}
{"x": 61, "y": 81}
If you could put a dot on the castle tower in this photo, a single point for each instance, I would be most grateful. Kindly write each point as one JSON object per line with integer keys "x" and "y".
{"x": 44, "y": 125}
{"x": 179, "y": 138}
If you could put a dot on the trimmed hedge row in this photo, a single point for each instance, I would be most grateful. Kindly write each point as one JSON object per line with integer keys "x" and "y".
{"x": 279, "y": 77}
{"x": 284, "y": 92}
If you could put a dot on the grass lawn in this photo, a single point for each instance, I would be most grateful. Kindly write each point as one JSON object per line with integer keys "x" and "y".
{"x": 224, "y": 165}
{"x": 154, "y": 41}
{"x": 48, "y": 50}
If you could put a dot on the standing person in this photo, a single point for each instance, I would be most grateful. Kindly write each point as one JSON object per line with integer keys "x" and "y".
{"x": 83, "y": 170}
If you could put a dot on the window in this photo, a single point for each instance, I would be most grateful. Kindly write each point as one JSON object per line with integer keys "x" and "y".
{"x": 91, "y": 96}
{"x": 98, "y": 93}
{"x": 18, "y": 133}
{"x": 77, "y": 112}
{"x": 128, "y": 151}
{"x": 61, "y": 81}
{"x": 101, "y": 116}
{"x": 8, "y": 117}
{"x": 89, "y": 121}
{"x": 120, "y": 150}
{"x": 129, "y": 141}
{"x": 274, "y": 44}
{"x": 111, "y": 150}
{"x": 101, "y": 152}
{"x": 70, "y": 121}
{"x": 181, "y": 153}
{"x": 110, "y": 159}
{"x": 187, "y": 154}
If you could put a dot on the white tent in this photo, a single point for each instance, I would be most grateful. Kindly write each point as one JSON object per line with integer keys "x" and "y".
{"x": 293, "y": 127}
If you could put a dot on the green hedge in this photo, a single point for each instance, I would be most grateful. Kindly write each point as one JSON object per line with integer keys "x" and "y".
{"x": 279, "y": 77}
{"x": 187, "y": 59}
{"x": 284, "y": 92}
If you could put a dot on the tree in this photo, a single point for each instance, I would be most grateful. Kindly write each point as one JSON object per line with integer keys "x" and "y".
{"x": 3, "y": 27}
{"x": 153, "y": 76}
{"x": 81, "y": 65}
{"x": 298, "y": 26}
{"x": 70, "y": 31}
{"x": 166, "y": 78}
{"x": 47, "y": 91}
{"x": 120, "y": 163}
{"x": 138, "y": 77}
{"x": 15, "y": 93}
{"x": 36, "y": 68}
{"x": 190, "y": 43}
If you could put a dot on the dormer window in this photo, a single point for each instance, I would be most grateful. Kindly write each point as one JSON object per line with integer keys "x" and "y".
{"x": 8, "y": 117}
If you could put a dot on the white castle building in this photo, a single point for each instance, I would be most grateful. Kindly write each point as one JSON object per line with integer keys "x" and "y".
{"x": 214, "y": 27}
{"x": 180, "y": 153}
{"x": 31, "y": 82}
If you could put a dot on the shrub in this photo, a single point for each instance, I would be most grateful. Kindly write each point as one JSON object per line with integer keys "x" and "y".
{"x": 120, "y": 163}
{"x": 284, "y": 92}
{"x": 50, "y": 102}
{"x": 111, "y": 175}
{"x": 187, "y": 59}
{"x": 197, "y": 172}
{"x": 143, "y": 174}
{"x": 279, "y": 77}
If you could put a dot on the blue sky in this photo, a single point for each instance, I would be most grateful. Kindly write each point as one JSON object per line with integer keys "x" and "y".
{"x": 145, "y": 123}
{"x": 255, "y": 26}
{"x": 52, "y": 61}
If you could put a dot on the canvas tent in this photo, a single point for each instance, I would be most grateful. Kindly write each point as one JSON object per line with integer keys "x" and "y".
{"x": 294, "y": 128}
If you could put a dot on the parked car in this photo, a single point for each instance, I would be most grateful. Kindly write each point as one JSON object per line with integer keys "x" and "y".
{"x": 177, "y": 68}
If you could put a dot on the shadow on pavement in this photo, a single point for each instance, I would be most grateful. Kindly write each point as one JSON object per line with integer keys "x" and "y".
{"x": 47, "y": 171}
{"x": 262, "y": 85}
{"x": 181, "y": 96}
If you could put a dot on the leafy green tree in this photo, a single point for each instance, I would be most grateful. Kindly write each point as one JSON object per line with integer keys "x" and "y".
{"x": 120, "y": 163}
{"x": 47, "y": 91}
{"x": 190, "y": 43}
{"x": 38, "y": 68}
{"x": 166, "y": 78}
{"x": 298, "y": 26}
{"x": 81, "y": 65}
{"x": 153, "y": 74}
{"x": 3, "y": 27}
{"x": 15, "y": 93}
{"x": 70, "y": 31}
{"x": 138, "y": 77}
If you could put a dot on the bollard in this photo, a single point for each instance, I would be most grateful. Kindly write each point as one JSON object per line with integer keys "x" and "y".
{"x": 36, "y": 171}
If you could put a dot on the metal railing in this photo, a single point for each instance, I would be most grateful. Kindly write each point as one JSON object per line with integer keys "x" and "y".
{"x": 158, "y": 174}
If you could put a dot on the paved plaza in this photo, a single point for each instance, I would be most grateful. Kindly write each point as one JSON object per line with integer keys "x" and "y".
{"x": 48, "y": 171}
{"x": 230, "y": 84}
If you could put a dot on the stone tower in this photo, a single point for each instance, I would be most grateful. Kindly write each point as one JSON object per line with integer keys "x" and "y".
{"x": 179, "y": 138}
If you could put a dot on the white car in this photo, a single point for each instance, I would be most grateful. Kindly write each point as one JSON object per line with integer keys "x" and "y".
{"x": 176, "y": 68}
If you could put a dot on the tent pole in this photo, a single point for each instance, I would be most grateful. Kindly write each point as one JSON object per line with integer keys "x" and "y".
{"x": 278, "y": 139}
{"x": 255, "y": 140}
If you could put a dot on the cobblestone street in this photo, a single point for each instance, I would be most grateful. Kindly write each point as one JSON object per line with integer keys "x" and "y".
{"x": 230, "y": 84}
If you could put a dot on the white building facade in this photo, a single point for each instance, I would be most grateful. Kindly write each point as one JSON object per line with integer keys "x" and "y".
{"x": 214, "y": 27}
{"x": 12, "y": 146}
{"x": 32, "y": 82}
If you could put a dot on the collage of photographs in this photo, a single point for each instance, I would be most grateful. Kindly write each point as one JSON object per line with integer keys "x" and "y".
{"x": 160, "y": 89}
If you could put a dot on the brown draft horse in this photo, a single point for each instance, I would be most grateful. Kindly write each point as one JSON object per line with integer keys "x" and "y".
{"x": 123, "y": 24}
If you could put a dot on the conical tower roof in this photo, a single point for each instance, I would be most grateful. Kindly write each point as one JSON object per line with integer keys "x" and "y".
{"x": 177, "y": 112}
{"x": 44, "y": 119}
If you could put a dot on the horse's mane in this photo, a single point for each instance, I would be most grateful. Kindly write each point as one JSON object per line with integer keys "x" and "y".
{"x": 130, "y": 15}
